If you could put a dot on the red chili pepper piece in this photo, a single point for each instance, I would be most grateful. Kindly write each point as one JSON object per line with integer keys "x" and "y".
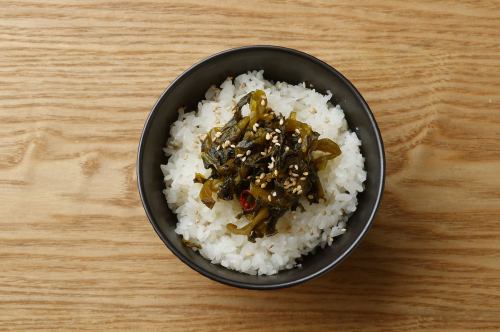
{"x": 247, "y": 201}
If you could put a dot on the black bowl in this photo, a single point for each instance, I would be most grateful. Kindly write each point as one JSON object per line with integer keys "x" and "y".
{"x": 279, "y": 64}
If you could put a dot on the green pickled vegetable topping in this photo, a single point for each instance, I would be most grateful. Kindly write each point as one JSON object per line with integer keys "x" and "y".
{"x": 266, "y": 162}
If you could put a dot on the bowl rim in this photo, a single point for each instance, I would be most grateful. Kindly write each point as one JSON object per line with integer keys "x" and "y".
{"x": 221, "y": 279}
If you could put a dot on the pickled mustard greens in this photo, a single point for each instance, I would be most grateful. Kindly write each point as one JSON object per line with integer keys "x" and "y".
{"x": 266, "y": 161}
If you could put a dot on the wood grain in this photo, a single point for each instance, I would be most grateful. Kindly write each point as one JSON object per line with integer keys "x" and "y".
{"x": 77, "y": 79}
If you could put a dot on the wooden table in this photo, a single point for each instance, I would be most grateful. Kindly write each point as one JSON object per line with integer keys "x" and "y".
{"x": 77, "y": 80}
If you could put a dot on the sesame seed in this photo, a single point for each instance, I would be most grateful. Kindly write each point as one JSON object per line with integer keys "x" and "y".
{"x": 270, "y": 166}
{"x": 276, "y": 172}
{"x": 299, "y": 192}
{"x": 286, "y": 183}
{"x": 287, "y": 148}
{"x": 268, "y": 136}
{"x": 294, "y": 190}
{"x": 299, "y": 140}
{"x": 303, "y": 178}
{"x": 274, "y": 193}
{"x": 299, "y": 187}
{"x": 262, "y": 102}
{"x": 244, "y": 158}
{"x": 218, "y": 134}
{"x": 269, "y": 198}
{"x": 310, "y": 196}
{"x": 272, "y": 158}
{"x": 291, "y": 166}
{"x": 262, "y": 175}
{"x": 263, "y": 185}
{"x": 294, "y": 175}
{"x": 306, "y": 173}
{"x": 277, "y": 144}
{"x": 343, "y": 229}
{"x": 239, "y": 155}
{"x": 227, "y": 142}
{"x": 218, "y": 148}
{"x": 296, "y": 167}
{"x": 263, "y": 153}
{"x": 256, "y": 125}
{"x": 297, "y": 130}
{"x": 281, "y": 122}
{"x": 248, "y": 152}
{"x": 233, "y": 146}
{"x": 257, "y": 180}
{"x": 277, "y": 130}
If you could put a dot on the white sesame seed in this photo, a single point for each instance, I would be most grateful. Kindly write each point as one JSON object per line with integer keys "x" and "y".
{"x": 263, "y": 153}
{"x": 262, "y": 175}
{"x": 233, "y": 146}
{"x": 299, "y": 140}
{"x": 277, "y": 130}
{"x": 274, "y": 193}
{"x": 256, "y": 125}
{"x": 303, "y": 178}
{"x": 248, "y": 152}
{"x": 239, "y": 155}
{"x": 281, "y": 122}
{"x": 244, "y": 158}
{"x": 269, "y": 198}
{"x": 287, "y": 148}
{"x": 286, "y": 183}
{"x": 294, "y": 190}
{"x": 218, "y": 134}
{"x": 263, "y": 185}
{"x": 277, "y": 144}
{"x": 299, "y": 192}
{"x": 262, "y": 102}
{"x": 257, "y": 180}
{"x": 291, "y": 166}
{"x": 299, "y": 187}
{"x": 306, "y": 173}
{"x": 217, "y": 148}
{"x": 297, "y": 130}
{"x": 294, "y": 175}
{"x": 296, "y": 167}
{"x": 268, "y": 136}
{"x": 343, "y": 230}
{"x": 272, "y": 158}
{"x": 227, "y": 142}
{"x": 310, "y": 196}
{"x": 276, "y": 172}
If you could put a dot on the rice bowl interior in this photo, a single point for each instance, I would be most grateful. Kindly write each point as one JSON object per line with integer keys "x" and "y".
{"x": 299, "y": 233}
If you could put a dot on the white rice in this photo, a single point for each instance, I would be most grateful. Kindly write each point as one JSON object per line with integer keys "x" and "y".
{"x": 298, "y": 232}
